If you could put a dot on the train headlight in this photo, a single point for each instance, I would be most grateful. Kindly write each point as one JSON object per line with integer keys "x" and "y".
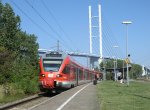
{"x": 43, "y": 75}
{"x": 58, "y": 75}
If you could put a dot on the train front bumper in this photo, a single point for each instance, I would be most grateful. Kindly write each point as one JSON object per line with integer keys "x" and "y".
{"x": 47, "y": 84}
{"x": 62, "y": 84}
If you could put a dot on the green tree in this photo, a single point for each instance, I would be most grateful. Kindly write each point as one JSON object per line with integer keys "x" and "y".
{"x": 135, "y": 71}
{"x": 18, "y": 53}
{"x": 27, "y": 47}
{"x": 27, "y": 63}
{"x": 9, "y": 26}
{"x": 5, "y": 65}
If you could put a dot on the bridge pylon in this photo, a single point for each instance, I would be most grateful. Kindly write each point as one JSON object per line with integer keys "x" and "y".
{"x": 91, "y": 29}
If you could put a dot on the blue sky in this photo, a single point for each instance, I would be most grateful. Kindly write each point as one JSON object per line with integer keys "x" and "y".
{"x": 67, "y": 20}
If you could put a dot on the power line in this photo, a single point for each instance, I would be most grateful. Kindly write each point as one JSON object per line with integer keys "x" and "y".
{"x": 39, "y": 26}
{"x": 60, "y": 27}
{"x": 29, "y": 18}
{"x": 47, "y": 23}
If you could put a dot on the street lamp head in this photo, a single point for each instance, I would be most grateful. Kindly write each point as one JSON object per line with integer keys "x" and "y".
{"x": 126, "y": 22}
{"x": 115, "y": 46}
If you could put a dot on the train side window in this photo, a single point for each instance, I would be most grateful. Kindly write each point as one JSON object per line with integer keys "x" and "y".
{"x": 72, "y": 69}
{"x": 66, "y": 70}
{"x": 86, "y": 75}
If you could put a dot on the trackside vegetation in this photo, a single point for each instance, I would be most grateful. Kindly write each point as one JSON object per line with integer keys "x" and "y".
{"x": 115, "y": 96}
{"x": 18, "y": 57}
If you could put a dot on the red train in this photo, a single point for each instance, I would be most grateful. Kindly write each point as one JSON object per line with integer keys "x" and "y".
{"x": 59, "y": 71}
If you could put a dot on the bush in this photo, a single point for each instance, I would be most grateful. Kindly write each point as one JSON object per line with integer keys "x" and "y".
{"x": 26, "y": 78}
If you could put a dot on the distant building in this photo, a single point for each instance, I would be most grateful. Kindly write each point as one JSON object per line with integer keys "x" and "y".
{"x": 146, "y": 71}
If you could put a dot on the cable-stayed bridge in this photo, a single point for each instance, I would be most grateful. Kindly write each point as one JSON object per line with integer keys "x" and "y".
{"x": 101, "y": 40}
{"x": 95, "y": 32}
{"x": 92, "y": 58}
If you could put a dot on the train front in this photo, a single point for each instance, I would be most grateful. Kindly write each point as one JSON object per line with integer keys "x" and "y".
{"x": 49, "y": 70}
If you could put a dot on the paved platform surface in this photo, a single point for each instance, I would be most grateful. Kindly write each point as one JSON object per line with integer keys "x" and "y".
{"x": 85, "y": 100}
{"x": 83, "y": 97}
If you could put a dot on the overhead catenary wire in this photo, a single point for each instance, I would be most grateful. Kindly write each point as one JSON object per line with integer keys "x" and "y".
{"x": 108, "y": 41}
{"x": 29, "y": 17}
{"x": 52, "y": 29}
{"x": 58, "y": 24}
{"x": 41, "y": 28}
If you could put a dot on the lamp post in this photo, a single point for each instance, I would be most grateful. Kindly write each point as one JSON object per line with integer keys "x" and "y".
{"x": 115, "y": 65}
{"x": 127, "y": 23}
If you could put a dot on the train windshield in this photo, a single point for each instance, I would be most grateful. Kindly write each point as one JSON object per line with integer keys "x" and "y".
{"x": 52, "y": 64}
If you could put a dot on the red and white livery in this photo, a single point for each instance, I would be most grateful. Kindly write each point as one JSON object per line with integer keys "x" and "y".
{"x": 59, "y": 71}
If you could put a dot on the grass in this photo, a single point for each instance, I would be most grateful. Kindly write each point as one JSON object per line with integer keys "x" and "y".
{"x": 116, "y": 96}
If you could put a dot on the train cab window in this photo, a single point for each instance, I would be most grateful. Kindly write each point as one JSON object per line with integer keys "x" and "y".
{"x": 66, "y": 70}
{"x": 52, "y": 64}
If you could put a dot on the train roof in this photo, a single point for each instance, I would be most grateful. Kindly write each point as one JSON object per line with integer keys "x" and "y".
{"x": 60, "y": 55}
{"x": 52, "y": 54}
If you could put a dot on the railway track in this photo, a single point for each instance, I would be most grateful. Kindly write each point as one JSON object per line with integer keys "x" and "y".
{"x": 26, "y": 102}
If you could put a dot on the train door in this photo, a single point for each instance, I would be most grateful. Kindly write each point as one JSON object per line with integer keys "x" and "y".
{"x": 77, "y": 75}
{"x": 72, "y": 73}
